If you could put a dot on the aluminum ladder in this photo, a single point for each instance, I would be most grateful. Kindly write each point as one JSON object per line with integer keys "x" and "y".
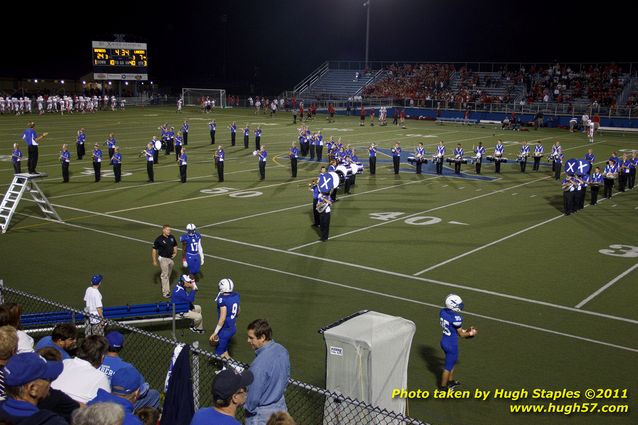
{"x": 24, "y": 183}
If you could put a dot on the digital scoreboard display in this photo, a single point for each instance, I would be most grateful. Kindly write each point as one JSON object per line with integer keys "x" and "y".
{"x": 114, "y": 60}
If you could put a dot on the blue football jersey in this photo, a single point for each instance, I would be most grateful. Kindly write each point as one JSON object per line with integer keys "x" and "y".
{"x": 192, "y": 242}
{"x": 450, "y": 322}
{"x": 231, "y": 302}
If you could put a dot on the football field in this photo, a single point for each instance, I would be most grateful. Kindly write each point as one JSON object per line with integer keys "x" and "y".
{"x": 553, "y": 296}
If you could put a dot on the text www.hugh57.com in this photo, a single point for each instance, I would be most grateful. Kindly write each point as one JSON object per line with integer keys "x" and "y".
{"x": 569, "y": 409}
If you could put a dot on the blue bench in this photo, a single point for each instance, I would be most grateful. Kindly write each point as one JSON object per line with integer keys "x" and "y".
{"x": 135, "y": 313}
{"x": 456, "y": 120}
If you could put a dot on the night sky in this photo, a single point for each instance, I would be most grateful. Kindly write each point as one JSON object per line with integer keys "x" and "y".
{"x": 268, "y": 46}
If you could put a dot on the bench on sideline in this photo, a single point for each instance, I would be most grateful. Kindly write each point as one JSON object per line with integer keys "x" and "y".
{"x": 618, "y": 129}
{"x": 454, "y": 120}
{"x": 130, "y": 314}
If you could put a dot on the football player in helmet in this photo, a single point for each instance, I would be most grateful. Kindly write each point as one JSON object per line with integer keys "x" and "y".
{"x": 227, "y": 311}
{"x": 192, "y": 248}
{"x": 451, "y": 322}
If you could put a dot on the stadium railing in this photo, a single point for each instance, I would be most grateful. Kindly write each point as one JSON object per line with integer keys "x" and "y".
{"x": 151, "y": 354}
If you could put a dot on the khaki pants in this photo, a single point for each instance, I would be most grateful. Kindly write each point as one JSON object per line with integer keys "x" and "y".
{"x": 166, "y": 265}
{"x": 196, "y": 315}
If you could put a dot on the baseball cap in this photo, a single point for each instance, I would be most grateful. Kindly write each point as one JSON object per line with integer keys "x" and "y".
{"x": 228, "y": 382}
{"x": 27, "y": 367}
{"x": 96, "y": 279}
{"x": 126, "y": 380}
{"x": 186, "y": 278}
{"x": 116, "y": 339}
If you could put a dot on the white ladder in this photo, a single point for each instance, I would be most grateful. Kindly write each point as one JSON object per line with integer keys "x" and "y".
{"x": 24, "y": 183}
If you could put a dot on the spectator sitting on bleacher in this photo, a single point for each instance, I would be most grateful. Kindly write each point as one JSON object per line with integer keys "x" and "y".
{"x": 63, "y": 338}
{"x": 57, "y": 401}
{"x": 125, "y": 389}
{"x": 81, "y": 378}
{"x": 8, "y": 348}
{"x": 28, "y": 376}
{"x": 113, "y": 362}
{"x": 10, "y": 315}
{"x": 180, "y": 295}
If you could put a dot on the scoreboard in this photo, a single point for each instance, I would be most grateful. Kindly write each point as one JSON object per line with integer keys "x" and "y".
{"x": 114, "y": 60}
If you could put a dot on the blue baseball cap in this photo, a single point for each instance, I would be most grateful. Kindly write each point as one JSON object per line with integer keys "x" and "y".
{"x": 115, "y": 339}
{"x": 96, "y": 279}
{"x": 27, "y": 367}
{"x": 228, "y": 382}
{"x": 126, "y": 381}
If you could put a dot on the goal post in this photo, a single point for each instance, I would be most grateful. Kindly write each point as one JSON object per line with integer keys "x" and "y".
{"x": 194, "y": 96}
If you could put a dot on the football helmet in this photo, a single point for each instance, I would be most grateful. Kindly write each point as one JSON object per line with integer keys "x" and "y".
{"x": 226, "y": 285}
{"x": 454, "y": 302}
{"x": 190, "y": 228}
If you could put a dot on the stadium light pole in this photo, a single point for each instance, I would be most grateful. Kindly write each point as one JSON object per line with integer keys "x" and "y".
{"x": 367, "y": 6}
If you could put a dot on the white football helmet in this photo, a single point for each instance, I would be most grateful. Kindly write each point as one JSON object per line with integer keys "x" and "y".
{"x": 226, "y": 285}
{"x": 190, "y": 228}
{"x": 454, "y": 302}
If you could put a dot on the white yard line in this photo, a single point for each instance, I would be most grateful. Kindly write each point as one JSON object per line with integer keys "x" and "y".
{"x": 606, "y": 286}
{"x": 354, "y": 288}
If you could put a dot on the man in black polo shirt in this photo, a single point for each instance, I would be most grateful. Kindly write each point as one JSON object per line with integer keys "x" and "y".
{"x": 164, "y": 250}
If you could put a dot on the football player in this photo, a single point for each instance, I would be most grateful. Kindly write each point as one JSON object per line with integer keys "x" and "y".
{"x": 192, "y": 249}
{"x": 227, "y": 312}
{"x": 451, "y": 322}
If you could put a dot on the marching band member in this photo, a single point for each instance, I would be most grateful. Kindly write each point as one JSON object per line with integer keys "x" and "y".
{"x": 323, "y": 206}
{"x": 212, "y": 127}
{"x": 372, "y": 158}
{"x": 178, "y": 145}
{"x": 182, "y": 161}
{"x": 110, "y": 144}
{"x": 581, "y": 192}
{"x": 590, "y": 157}
{"x": 97, "y": 162}
{"x": 246, "y": 136}
{"x": 262, "y": 162}
{"x": 596, "y": 181}
{"x": 569, "y": 194}
{"x": 319, "y": 145}
{"x": 558, "y": 164}
{"x": 623, "y": 172}
{"x": 420, "y": 155}
{"x": 556, "y": 151}
{"x": 79, "y": 142}
{"x": 157, "y": 147}
{"x": 293, "y": 155}
{"x": 148, "y": 154}
{"x": 233, "y": 133}
{"x": 333, "y": 167}
{"x": 458, "y": 157}
{"x": 614, "y": 157}
{"x": 538, "y": 154}
{"x": 219, "y": 162}
{"x": 258, "y": 138}
{"x": 314, "y": 188}
{"x": 632, "y": 169}
{"x": 396, "y": 157}
{"x": 438, "y": 158}
{"x": 170, "y": 140}
{"x": 479, "y": 151}
{"x": 523, "y": 155}
{"x": 610, "y": 173}
{"x": 16, "y": 158}
{"x": 65, "y": 159}
{"x": 312, "y": 140}
{"x": 499, "y": 149}
{"x": 116, "y": 161}
{"x": 185, "y": 128}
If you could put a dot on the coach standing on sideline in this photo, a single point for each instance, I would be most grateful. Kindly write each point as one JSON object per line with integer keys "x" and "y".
{"x": 164, "y": 250}
{"x": 32, "y": 139}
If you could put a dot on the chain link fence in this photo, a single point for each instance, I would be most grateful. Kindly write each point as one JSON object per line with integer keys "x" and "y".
{"x": 151, "y": 354}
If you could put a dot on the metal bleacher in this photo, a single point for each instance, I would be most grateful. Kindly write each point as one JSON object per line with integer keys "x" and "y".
{"x": 338, "y": 83}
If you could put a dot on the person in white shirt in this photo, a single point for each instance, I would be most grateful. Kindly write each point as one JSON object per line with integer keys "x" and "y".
{"x": 93, "y": 299}
{"x": 81, "y": 378}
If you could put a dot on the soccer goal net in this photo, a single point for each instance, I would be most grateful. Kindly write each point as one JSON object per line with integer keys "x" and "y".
{"x": 198, "y": 97}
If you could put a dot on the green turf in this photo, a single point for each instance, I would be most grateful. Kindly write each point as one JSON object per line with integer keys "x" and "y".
{"x": 530, "y": 268}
